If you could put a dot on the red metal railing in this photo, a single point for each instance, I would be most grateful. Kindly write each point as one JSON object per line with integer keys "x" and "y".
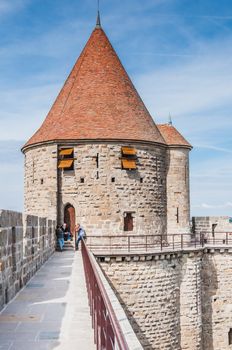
{"x": 107, "y": 331}
{"x": 152, "y": 243}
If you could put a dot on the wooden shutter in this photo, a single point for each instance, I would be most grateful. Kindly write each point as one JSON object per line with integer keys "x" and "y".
{"x": 65, "y": 163}
{"x": 66, "y": 152}
{"x": 129, "y": 151}
{"x": 128, "y": 164}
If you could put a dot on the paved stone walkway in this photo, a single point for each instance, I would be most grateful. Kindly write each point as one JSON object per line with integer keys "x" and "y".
{"x": 52, "y": 311}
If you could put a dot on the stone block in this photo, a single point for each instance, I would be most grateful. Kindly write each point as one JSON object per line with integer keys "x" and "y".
{"x": 3, "y": 237}
{"x": 43, "y": 221}
{"x": 10, "y": 218}
{"x": 31, "y": 220}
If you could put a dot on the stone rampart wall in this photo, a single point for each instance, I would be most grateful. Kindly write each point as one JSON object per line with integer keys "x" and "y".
{"x": 179, "y": 301}
{"x": 25, "y": 244}
{"x": 217, "y": 299}
{"x": 204, "y": 224}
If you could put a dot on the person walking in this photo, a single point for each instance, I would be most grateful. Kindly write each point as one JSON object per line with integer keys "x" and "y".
{"x": 60, "y": 237}
{"x": 80, "y": 234}
{"x": 66, "y": 231}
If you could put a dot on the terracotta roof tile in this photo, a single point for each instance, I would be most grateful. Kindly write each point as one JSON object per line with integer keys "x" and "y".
{"x": 171, "y": 136}
{"x": 98, "y": 101}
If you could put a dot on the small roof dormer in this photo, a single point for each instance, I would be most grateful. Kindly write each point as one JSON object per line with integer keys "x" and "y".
{"x": 172, "y": 137}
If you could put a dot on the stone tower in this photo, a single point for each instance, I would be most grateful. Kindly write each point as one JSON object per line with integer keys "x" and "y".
{"x": 178, "y": 201}
{"x": 99, "y": 158}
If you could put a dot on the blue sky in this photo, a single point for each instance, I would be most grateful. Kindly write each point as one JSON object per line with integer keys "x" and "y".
{"x": 177, "y": 52}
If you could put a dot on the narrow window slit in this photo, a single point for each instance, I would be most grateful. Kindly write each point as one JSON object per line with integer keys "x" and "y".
{"x": 230, "y": 336}
{"x": 97, "y": 160}
{"x": 177, "y": 215}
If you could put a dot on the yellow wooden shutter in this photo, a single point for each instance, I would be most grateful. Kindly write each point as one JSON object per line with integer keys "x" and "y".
{"x": 128, "y": 164}
{"x": 66, "y": 152}
{"x": 129, "y": 151}
{"x": 65, "y": 163}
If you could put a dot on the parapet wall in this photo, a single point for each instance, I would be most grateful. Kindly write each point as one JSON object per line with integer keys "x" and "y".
{"x": 211, "y": 224}
{"x": 216, "y": 276}
{"x": 26, "y": 242}
{"x": 178, "y": 301}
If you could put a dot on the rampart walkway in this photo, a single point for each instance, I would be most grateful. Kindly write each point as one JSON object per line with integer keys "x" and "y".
{"x": 52, "y": 311}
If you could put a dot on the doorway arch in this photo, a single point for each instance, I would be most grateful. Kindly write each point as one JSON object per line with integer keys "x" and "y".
{"x": 70, "y": 217}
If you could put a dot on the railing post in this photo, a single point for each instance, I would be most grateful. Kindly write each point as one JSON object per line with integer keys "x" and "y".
{"x": 103, "y": 331}
{"x": 97, "y": 324}
{"x": 202, "y": 238}
{"x": 161, "y": 243}
{"x": 227, "y": 238}
{"x": 146, "y": 243}
{"x": 109, "y": 335}
{"x": 128, "y": 243}
{"x": 181, "y": 242}
{"x": 95, "y": 314}
{"x": 173, "y": 243}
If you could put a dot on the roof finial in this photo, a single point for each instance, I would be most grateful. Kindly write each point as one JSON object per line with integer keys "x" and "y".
{"x": 169, "y": 119}
{"x": 98, "y": 24}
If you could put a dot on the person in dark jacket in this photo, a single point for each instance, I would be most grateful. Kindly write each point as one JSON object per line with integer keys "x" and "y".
{"x": 60, "y": 237}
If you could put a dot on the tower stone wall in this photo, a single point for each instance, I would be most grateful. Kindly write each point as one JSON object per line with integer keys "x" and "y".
{"x": 178, "y": 197}
{"x": 40, "y": 181}
{"x": 98, "y": 188}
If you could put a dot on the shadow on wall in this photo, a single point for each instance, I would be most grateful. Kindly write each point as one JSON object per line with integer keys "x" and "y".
{"x": 209, "y": 289}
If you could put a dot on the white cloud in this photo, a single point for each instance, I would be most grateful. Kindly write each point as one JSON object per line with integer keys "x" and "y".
{"x": 54, "y": 43}
{"x": 5, "y": 6}
{"x": 29, "y": 109}
{"x": 215, "y": 148}
{"x": 11, "y": 175}
{"x": 196, "y": 85}
{"x": 9, "y": 6}
{"x": 211, "y": 189}
{"x": 211, "y": 206}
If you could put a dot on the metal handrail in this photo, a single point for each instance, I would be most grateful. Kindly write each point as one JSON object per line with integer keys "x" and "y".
{"x": 107, "y": 331}
{"x": 148, "y": 243}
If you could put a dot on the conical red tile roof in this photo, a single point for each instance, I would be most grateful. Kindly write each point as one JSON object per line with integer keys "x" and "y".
{"x": 98, "y": 101}
{"x": 171, "y": 136}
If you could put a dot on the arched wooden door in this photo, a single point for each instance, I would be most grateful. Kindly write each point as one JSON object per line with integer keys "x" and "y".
{"x": 69, "y": 218}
